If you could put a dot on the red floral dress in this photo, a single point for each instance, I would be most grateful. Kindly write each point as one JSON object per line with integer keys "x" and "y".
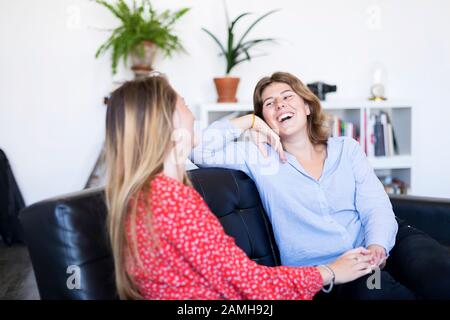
{"x": 191, "y": 257}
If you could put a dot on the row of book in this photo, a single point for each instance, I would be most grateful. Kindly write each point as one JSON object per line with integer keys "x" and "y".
{"x": 343, "y": 128}
{"x": 380, "y": 137}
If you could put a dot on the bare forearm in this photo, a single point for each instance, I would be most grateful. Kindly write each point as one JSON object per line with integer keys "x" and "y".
{"x": 326, "y": 276}
{"x": 243, "y": 123}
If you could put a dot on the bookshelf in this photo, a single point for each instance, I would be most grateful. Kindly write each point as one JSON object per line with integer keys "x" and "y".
{"x": 395, "y": 166}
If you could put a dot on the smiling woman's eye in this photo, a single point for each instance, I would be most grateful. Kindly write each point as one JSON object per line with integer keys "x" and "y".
{"x": 287, "y": 97}
{"x": 269, "y": 104}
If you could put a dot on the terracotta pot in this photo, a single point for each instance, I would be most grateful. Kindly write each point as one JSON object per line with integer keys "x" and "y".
{"x": 142, "y": 63}
{"x": 226, "y": 89}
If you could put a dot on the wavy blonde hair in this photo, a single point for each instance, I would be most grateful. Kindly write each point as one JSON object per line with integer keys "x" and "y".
{"x": 138, "y": 138}
{"x": 318, "y": 125}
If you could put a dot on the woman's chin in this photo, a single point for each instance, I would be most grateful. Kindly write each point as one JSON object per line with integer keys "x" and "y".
{"x": 286, "y": 132}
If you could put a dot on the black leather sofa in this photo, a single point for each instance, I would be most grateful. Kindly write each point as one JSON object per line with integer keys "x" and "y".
{"x": 70, "y": 231}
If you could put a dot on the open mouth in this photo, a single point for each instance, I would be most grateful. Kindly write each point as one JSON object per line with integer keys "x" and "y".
{"x": 285, "y": 117}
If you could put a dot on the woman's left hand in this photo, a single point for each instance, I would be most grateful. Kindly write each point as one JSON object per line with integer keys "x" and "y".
{"x": 378, "y": 255}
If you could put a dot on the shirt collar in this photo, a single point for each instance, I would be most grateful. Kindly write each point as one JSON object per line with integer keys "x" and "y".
{"x": 330, "y": 160}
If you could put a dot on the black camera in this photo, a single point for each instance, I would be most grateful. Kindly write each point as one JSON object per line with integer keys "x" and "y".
{"x": 320, "y": 89}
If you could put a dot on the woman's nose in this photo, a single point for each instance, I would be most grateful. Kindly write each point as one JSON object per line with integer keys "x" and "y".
{"x": 279, "y": 104}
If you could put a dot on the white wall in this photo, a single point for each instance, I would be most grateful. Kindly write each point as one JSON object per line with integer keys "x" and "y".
{"x": 51, "y": 87}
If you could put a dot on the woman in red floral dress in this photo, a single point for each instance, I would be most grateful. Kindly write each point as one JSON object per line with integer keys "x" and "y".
{"x": 166, "y": 242}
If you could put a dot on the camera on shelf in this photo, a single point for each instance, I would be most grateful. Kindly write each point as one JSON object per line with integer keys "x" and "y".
{"x": 320, "y": 89}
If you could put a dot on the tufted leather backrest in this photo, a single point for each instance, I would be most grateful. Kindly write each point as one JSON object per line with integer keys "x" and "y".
{"x": 234, "y": 199}
{"x": 69, "y": 232}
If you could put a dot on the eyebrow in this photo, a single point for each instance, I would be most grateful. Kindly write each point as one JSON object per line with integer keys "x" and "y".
{"x": 264, "y": 101}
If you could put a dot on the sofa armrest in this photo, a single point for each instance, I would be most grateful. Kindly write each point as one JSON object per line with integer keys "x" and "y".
{"x": 431, "y": 215}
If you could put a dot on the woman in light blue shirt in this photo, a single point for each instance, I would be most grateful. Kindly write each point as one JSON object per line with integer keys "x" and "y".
{"x": 320, "y": 192}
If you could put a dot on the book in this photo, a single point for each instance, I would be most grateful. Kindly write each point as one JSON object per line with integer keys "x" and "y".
{"x": 384, "y": 122}
{"x": 379, "y": 137}
{"x": 370, "y": 136}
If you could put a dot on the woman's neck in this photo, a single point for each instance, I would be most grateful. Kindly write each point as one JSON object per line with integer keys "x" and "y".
{"x": 174, "y": 167}
{"x": 299, "y": 146}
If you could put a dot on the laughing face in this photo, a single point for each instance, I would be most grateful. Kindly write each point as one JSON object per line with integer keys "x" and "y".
{"x": 284, "y": 110}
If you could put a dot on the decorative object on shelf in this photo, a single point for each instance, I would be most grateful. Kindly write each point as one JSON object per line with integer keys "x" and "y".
{"x": 377, "y": 91}
{"x": 226, "y": 88}
{"x": 377, "y": 88}
{"x": 235, "y": 53}
{"x": 142, "y": 33}
{"x": 394, "y": 185}
{"x": 320, "y": 89}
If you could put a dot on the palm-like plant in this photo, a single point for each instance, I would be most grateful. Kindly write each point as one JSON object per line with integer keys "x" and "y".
{"x": 238, "y": 52}
{"x": 140, "y": 23}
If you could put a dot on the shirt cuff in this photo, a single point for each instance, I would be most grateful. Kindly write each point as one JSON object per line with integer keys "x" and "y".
{"x": 310, "y": 280}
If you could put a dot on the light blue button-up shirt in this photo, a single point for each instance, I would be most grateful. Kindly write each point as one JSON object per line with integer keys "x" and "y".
{"x": 314, "y": 221}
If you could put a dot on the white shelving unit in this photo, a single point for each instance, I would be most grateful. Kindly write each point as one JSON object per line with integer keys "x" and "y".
{"x": 400, "y": 113}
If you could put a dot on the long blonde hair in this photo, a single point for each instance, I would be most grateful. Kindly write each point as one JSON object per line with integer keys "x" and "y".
{"x": 138, "y": 138}
{"x": 318, "y": 123}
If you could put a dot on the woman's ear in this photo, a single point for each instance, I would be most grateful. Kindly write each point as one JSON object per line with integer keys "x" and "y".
{"x": 307, "y": 109}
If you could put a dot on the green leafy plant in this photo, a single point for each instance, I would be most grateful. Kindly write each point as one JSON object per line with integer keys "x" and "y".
{"x": 238, "y": 52}
{"x": 139, "y": 23}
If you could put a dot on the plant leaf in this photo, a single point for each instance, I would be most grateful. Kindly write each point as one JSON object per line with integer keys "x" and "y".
{"x": 254, "y": 24}
{"x": 238, "y": 18}
{"x": 216, "y": 40}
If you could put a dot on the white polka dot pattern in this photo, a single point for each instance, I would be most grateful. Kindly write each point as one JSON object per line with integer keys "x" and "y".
{"x": 195, "y": 259}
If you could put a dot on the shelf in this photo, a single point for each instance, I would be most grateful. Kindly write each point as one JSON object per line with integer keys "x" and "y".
{"x": 339, "y": 105}
{"x": 226, "y": 107}
{"x": 395, "y": 162}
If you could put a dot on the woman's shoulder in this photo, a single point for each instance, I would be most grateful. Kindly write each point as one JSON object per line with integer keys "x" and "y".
{"x": 166, "y": 187}
{"x": 347, "y": 143}
{"x": 344, "y": 147}
{"x": 171, "y": 192}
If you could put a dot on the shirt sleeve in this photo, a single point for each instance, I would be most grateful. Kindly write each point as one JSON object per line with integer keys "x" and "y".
{"x": 217, "y": 147}
{"x": 200, "y": 239}
{"x": 372, "y": 202}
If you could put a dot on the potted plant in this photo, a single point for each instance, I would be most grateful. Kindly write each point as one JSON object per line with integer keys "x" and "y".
{"x": 235, "y": 52}
{"x": 141, "y": 33}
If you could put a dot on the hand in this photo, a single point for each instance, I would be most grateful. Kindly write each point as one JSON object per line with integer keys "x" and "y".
{"x": 378, "y": 254}
{"x": 261, "y": 134}
{"x": 351, "y": 265}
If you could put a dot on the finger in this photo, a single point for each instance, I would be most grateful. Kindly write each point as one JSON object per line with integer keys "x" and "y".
{"x": 359, "y": 250}
{"x": 366, "y": 271}
{"x": 363, "y": 250}
{"x": 379, "y": 256}
{"x": 375, "y": 260}
{"x": 282, "y": 154}
{"x": 273, "y": 137}
{"x": 262, "y": 149}
{"x": 364, "y": 258}
{"x": 363, "y": 266}
{"x": 276, "y": 143}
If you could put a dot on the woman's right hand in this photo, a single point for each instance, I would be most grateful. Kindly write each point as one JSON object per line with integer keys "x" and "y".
{"x": 351, "y": 265}
{"x": 260, "y": 134}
